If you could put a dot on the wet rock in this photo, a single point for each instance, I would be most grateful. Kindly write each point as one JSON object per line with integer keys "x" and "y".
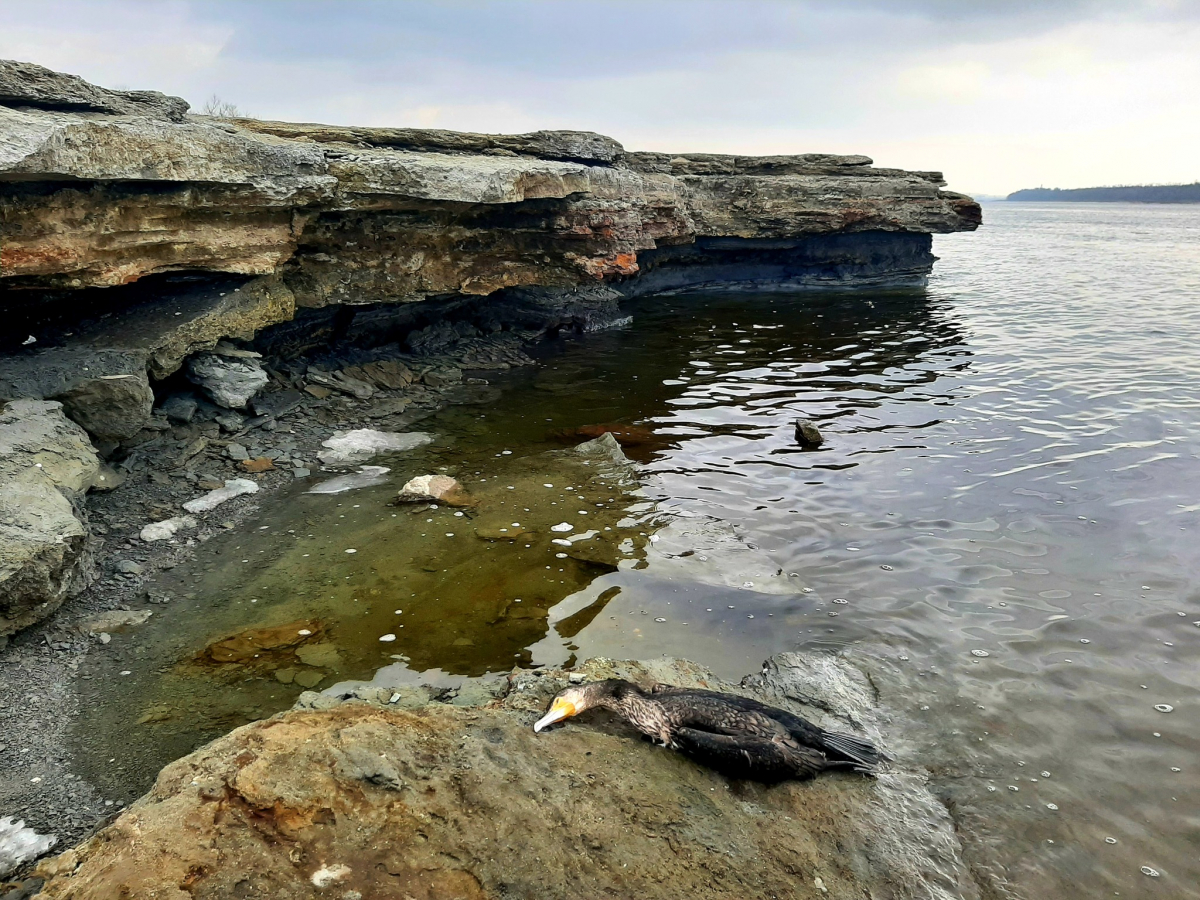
{"x": 229, "y": 381}
{"x": 18, "y": 844}
{"x": 179, "y": 408}
{"x": 167, "y": 528}
{"x": 46, "y": 465}
{"x": 807, "y": 433}
{"x": 607, "y": 813}
{"x": 235, "y": 487}
{"x": 433, "y": 489}
{"x": 346, "y": 448}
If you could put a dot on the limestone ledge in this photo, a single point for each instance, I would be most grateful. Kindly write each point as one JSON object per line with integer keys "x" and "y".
{"x": 425, "y": 792}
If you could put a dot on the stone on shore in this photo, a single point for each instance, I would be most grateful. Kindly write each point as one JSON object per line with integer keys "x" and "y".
{"x": 348, "y": 448}
{"x": 230, "y": 381}
{"x": 399, "y": 793}
{"x": 47, "y": 463}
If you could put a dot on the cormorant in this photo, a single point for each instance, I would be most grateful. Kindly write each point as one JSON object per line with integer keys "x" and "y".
{"x": 735, "y": 735}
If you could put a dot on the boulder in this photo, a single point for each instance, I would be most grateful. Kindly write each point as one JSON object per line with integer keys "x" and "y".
{"x": 413, "y": 792}
{"x": 110, "y": 407}
{"x": 230, "y": 381}
{"x": 31, "y": 85}
{"x": 808, "y": 434}
{"x": 47, "y": 463}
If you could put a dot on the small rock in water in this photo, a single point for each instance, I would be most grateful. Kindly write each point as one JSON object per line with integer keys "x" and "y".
{"x": 1147, "y": 870}
{"x": 1164, "y": 707}
{"x": 808, "y": 434}
{"x": 562, "y": 527}
{"x": 387, "y": 638}
{"x": 980, "y": 653}
{"x": 426, "y": 488}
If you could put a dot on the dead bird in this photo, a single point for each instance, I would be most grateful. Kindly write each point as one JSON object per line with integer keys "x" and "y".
{"x": 735, "y": 735}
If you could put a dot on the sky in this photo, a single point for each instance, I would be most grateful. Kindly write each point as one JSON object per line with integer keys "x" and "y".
{"x": 997, "y": 94}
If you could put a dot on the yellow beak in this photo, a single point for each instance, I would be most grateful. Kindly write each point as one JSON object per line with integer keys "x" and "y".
{"x": 559, "y": 710}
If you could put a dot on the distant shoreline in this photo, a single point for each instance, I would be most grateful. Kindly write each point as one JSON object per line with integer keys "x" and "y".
{"x": 1147, "y": 193}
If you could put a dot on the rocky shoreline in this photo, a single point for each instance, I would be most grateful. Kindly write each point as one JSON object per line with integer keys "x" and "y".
{"x": 424, "y": 792}
{"x": 198, "y": 305}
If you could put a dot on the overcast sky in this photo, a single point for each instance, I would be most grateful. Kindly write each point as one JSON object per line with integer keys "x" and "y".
{"x": 998, "y": 94}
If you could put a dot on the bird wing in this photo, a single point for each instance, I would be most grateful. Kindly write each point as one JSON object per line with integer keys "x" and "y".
{"x": 747, "y": 756}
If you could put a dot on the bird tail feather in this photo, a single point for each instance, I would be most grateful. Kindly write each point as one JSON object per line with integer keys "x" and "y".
{"x": 863, "y": 755}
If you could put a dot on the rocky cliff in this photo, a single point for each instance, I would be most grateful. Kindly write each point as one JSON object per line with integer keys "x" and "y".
{"x": 134, "y": 237}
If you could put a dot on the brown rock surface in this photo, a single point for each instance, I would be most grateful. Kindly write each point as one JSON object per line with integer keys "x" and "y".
{"x": 383, "y": 799}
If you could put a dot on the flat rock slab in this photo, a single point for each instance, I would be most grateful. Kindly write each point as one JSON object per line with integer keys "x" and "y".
{"x": 347, "y": 448}
{"x": 391, "y": 796}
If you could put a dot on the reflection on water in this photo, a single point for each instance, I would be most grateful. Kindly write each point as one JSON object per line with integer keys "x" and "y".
{"x": 1003, "y": 517}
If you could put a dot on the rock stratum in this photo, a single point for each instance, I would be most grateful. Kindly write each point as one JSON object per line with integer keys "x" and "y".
{"x": 140, "y": 245}
{"x": 372, "y": 793}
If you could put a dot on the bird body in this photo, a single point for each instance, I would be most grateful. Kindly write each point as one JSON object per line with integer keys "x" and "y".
{"x": 735, "y": 735}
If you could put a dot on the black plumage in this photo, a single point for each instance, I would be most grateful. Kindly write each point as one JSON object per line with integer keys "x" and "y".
{"x": 735, "y": 735}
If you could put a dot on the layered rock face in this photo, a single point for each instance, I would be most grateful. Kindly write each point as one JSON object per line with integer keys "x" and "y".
{"x": 134, "y": 237}
{"x": 430, "y": 793}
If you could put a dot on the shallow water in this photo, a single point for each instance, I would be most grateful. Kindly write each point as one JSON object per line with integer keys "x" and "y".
{"x": 1003, "y": 518}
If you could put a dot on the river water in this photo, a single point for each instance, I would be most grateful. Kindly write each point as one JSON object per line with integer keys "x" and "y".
{"x": 1003, "y": 521}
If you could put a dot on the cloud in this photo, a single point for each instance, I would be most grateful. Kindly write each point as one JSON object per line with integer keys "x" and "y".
{"x": 999, "y": 95}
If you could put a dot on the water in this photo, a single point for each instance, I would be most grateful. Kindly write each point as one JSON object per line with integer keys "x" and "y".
{"x": 1003, "y": 518}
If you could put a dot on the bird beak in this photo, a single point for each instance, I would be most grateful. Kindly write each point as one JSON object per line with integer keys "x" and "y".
{"x": 559, "y": 710}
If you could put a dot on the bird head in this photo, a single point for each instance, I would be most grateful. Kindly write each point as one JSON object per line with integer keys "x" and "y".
{"x": 574, "y": 700}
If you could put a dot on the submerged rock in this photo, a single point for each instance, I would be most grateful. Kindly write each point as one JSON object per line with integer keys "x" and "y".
{"x": 366, "y": 476}
{"x": 347, "y": 448}
{"x": 46, "y": 465}
{"x": 421, "y": 798}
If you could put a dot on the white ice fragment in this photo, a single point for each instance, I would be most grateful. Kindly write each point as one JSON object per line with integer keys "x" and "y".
{"x": 562, "y": 527}
{"x": 234, "y": 487}
{"x": 346, "y": 448}
{"x": 160, "y": 531}
{"x": 366, "y": 476}
{"x": 19, "y": 845}
{"x": 387, "y": 638}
